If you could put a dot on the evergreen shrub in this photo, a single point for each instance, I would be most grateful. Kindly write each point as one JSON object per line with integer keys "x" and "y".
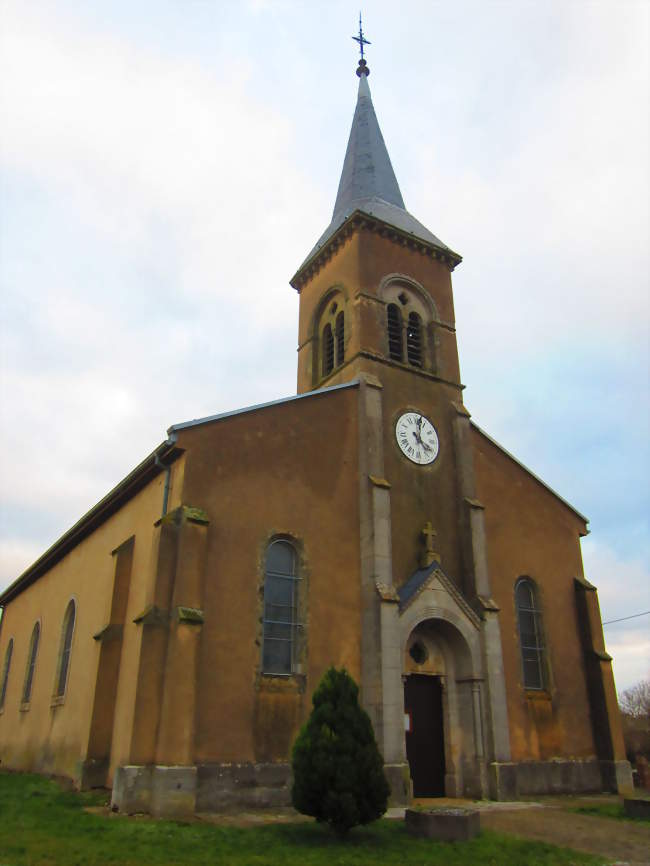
{"x": 338, "y": 771}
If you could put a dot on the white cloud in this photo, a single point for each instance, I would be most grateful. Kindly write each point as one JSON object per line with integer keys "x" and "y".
{"x": 623, "y": 590}
{"x": 15, "y": 557}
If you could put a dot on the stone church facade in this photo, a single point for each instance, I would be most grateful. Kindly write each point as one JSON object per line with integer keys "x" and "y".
{"x": 168, "y": 644}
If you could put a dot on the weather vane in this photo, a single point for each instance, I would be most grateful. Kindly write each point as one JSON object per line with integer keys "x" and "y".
{"x": 361, "y": 38}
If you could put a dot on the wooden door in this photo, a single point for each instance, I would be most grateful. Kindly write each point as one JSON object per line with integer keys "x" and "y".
{"x": 425, "y": 748}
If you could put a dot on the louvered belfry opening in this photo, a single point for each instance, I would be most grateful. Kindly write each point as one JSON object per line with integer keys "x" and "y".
{"x": 395, "y": 333}
{"x": 414, "y": 340}
{"x": 340, "y": 338}
{"x": 328, "y": 350}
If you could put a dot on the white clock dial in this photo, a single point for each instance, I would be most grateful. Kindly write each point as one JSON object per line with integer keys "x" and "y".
{"x": 417, "y": 438}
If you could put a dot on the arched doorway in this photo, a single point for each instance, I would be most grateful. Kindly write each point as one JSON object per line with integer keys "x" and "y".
{"x": 442, "y": 712}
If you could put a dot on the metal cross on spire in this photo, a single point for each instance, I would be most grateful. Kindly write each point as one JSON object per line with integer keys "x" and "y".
{"x": 361, "y": 38}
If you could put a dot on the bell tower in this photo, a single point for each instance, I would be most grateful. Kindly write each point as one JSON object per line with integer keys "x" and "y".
{"x": 375, "y": 291}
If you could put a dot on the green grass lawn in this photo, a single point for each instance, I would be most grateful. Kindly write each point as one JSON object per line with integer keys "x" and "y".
{"x": 41, "y": 825}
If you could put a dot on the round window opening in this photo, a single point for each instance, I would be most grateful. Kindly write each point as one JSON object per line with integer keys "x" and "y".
{"x": 418, "y": 653}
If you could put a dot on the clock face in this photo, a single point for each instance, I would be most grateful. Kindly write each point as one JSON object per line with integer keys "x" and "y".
{"x": 417, "y": 438}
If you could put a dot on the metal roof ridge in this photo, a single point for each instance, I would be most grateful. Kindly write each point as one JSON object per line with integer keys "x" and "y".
{"x": 184, "y": 425}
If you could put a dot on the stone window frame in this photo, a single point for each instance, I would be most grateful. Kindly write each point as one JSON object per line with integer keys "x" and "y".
{"x": 59, "y": 693}
{"x": 537, "y": 651}
{"x": 30, "y": 669}
{"x": 408, "y": 297}
{"x": 6, "y": 668}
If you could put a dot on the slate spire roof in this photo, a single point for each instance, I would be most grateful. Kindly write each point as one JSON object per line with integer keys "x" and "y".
{"x": 367, "y": 171}
{"x": 368, "y": 183}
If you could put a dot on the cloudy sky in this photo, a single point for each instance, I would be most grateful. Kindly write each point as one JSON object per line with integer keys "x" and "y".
{"x": 167, "y": 165}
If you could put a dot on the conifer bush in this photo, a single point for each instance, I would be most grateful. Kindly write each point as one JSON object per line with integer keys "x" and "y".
{"x": 338, "y": 772}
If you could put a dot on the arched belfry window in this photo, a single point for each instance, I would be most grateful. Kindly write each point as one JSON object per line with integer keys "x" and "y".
{"x": 410, "y": 313}
{"x": 281, "y": 626}
{"x": 5, "y": 672}
{"x": 328, "y": 350}
{"x": 531, "y": 636}
{"x": 331, "y": 327}
{"x": 414, "y": 340}
{"x": 66, "y": 646}
{"x": 395, "y": 333}
{"x": 340, "y": 338}
{"x": 31, "y": 664}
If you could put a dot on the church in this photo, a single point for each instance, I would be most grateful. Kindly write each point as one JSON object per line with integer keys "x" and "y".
{"x": 167, "y": 645}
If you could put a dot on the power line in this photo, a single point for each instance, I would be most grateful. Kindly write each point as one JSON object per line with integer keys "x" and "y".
{"x": 623, "y": 618}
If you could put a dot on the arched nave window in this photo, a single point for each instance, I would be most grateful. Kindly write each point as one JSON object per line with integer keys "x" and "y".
{"x": 66, "y": 645}
{"x": 531, "y": 635}
{"x": 281, "y": 586}
{"x": 5, "y": 672}
{"x": 31, "y": 664}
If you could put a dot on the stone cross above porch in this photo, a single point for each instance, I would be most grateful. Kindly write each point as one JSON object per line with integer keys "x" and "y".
{"x": 429, "y": 555}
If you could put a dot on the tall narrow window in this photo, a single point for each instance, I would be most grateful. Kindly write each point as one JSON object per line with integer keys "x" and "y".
{"x": 531, "y": 637}
{"x": 66, "y": 645}
{"x": 328, "y": 350}
{"x": 414, "y": 340}
{"x": 31, "y": 664}
{"x": 5, "y": 672}
{"x": 340, "y": 338}
{"x": 280, "y": 609}
{"x": 395, "y": 333}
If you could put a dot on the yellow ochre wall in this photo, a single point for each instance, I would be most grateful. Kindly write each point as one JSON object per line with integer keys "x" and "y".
{"x": 54, "y": 738}
{"x": 288, "y": 470}
{"x": 356, "y": 271}
{"x": 530, "y": 532}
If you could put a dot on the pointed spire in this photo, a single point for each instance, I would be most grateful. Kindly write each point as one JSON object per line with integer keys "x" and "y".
{"x": 367, "y": 170}
{"x": 368, "y": 184}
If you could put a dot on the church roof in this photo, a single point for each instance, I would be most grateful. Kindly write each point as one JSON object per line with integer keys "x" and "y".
{"x": 368, "y": 184}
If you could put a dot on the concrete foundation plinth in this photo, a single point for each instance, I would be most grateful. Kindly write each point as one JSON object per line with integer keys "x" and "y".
{"x": 252, "y": 786}
{"x": 163, "y": 791}
{"x": 401, "y": 787}
{"x": 173, "y": 791}
{"x": 502, "y": 781}
{"x": 132, "y": 789}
